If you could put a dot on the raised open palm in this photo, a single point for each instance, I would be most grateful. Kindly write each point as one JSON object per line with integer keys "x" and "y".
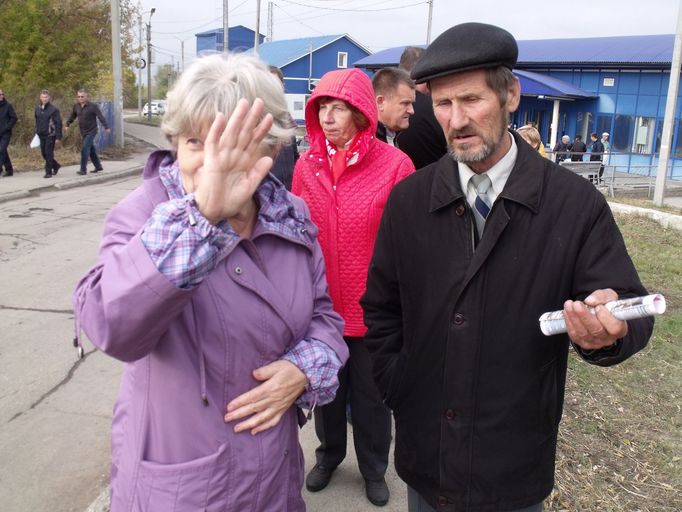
{"x": 233, "y": 162}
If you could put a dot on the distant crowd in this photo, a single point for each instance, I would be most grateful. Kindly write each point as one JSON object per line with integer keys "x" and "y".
{"x": 48, "y": 131}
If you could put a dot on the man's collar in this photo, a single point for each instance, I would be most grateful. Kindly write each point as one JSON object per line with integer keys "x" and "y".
{"x": 524, "y": 185}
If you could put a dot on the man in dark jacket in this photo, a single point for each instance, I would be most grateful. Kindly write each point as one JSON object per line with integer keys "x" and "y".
{"x": 578, "y": 149}
{"x": 283, "y": 166}
{"x": 394, "y": 95}
{"x": 87, "y": 113}
{"x": 597, "y": 154}
{"x": 471, "y": 251}
{"x": 8, "y": 118}
{"x": 562, "y": 149}
{"x": 49, "y": 131}
{"x": 423, "y": 140}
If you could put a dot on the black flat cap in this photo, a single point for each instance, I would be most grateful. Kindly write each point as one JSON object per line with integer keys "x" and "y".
{"x": 465, "y": 47}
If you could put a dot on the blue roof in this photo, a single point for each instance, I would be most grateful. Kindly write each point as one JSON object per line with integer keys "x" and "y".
{"x": 536, "y": 84}
{"x": 281, "y": 53}
{"x": 233, "y": 28}
{"x": 655, "y": 51}
{"x": 622, "y": 51}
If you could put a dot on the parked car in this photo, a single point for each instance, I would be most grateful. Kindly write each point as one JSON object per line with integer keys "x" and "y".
{"x": 158, "y": 108}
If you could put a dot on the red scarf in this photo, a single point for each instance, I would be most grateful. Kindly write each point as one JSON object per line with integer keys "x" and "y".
{"x": 339, "y": 157}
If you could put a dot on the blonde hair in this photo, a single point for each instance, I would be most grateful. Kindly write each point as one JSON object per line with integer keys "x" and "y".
{"x": 215, "y": 83}
{"x": 532, "y": 136}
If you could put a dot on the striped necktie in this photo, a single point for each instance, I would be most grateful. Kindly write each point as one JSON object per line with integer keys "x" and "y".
{"x": 481, "y": 184}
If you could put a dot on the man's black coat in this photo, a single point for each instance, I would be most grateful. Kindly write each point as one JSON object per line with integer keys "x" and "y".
{"x": 476, "y": 389}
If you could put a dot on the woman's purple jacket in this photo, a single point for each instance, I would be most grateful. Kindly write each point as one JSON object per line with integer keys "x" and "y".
{"x": 172, "y": 450}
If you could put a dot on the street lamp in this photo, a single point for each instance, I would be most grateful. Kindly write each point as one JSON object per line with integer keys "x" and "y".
{"x": 140, "y": 61}
{"x": 149, "y": 64}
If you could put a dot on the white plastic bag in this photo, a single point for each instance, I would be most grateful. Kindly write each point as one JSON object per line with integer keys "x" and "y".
{"x": 35, "y": 141}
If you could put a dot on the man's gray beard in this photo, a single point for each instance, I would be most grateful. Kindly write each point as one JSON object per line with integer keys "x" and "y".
{"x": 482, "y": 154}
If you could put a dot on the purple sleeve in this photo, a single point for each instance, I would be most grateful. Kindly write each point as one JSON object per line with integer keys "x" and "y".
{"x": 321, "y": 365}
{"x": 115, "y": 300}
{"x": 183, "y": 245}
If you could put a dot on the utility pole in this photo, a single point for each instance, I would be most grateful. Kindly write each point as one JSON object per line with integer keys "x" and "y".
{"x": 182, "y": 49}
{"x": 268, "y": 38}
{"x": 139, "y": 61}
{"x": 257, "y": 37}
{"x": 117, "y": 71}
{"x": 669, "y": 119}
{"x": 149, "y": 64}
{"x": 226, "y": 29}
{"x": 428, "y": 28}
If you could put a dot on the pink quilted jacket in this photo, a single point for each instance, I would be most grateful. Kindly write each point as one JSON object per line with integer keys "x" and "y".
{"x": 348, "y": 214}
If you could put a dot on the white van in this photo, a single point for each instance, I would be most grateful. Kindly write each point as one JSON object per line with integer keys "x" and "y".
{"x": 158, "y": 108}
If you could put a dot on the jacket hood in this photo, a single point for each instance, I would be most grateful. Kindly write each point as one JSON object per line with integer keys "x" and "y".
{"x": 350, "y": 85}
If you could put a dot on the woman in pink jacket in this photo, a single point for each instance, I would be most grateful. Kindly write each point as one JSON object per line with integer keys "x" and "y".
{"x": 345, "y": 178}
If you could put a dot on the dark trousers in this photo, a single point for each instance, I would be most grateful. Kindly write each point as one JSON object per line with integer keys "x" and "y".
{"x": 4, "y": 155}
{"x": 371, "y": 418}
{"x": 47, "y": 150}
{"x": 88, "y": 150}
{"x": 415, "y": 503}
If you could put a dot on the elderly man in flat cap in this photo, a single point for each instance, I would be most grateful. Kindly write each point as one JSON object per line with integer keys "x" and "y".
{"x": 472, "y": 249}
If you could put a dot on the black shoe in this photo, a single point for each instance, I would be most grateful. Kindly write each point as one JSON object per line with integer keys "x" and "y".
{"x": 318, "y": 478}
{"x": 82, "y": 172}
{"x": 8, "y": 173}
{"x": 377, "y": 492}
{"x": 56, "y": 170}
{"x": 48, "y": 175}
{"x": 97, "y": 170}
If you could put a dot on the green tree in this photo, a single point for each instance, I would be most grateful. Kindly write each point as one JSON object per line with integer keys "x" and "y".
{"x": 166, "y": 75}
{"x": 60, "y": 45}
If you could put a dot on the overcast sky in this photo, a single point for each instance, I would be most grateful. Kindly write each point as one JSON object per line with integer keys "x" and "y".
{"x": 381, "y": 24}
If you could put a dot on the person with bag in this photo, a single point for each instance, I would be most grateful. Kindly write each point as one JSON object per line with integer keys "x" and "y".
{"x": 49, "y": 130}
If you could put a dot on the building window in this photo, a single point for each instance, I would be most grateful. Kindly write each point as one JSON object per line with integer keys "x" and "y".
{"x": 623, "y": 129}
{"x": 298, "y": 105}
{"x": 644, "y": 135}
{"x": 342, "y": 60}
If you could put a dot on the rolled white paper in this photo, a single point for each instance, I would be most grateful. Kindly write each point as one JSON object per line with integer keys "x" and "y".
{"x": 625, "y": 309}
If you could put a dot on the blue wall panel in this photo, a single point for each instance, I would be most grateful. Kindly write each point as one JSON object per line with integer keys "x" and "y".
{"x": 650, "y": 83}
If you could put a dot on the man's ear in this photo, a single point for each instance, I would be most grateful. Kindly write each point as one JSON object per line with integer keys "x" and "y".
{"x": 380, "y": 99}
{"x": 513, "y": 96}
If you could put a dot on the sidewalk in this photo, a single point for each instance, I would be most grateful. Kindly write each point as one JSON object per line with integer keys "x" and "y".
{"x": 29, "y": 183}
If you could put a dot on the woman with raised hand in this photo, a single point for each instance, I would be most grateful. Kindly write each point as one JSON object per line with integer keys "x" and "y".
{"x": 210, "y": 285}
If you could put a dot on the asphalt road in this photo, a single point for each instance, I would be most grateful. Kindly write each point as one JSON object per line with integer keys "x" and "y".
{"x": 55, "y": 411}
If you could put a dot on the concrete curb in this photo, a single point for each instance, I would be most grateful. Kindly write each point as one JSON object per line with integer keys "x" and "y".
{"x": 15, "y": 194}
{"x": 667, "y": 220}
{"x": 101, "y": 504}
{"x": 99, "y": 178}
{"x": 91, "y": 179}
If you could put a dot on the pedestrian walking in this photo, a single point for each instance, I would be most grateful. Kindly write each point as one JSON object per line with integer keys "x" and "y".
{"x": 471, "y": 251}
{"x": 49, "y": 131}
{"x": 345, "y": 178}
{"x": 210, "y": 286}
{"x": 578, "y": 149}
{"x": 8, "y": 118}
{"x": 87, "y": 113}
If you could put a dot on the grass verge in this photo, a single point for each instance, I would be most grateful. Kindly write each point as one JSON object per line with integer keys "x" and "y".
{"x": 620, "y": 441}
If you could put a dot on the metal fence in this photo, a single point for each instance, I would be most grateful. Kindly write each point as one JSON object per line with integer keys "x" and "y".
{"x": 104, "y": 139}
